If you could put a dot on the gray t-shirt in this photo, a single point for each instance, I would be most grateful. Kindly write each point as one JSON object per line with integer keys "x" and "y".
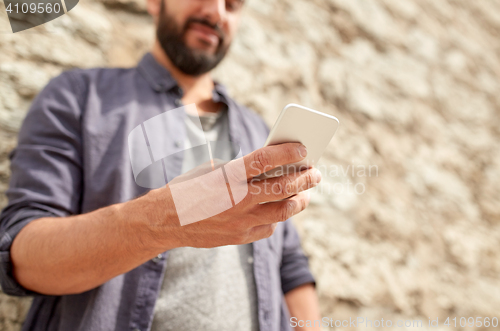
{"x": 207, "y": 288}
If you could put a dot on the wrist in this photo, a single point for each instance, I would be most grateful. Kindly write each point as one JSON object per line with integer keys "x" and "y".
{"x": 157, "y": 219}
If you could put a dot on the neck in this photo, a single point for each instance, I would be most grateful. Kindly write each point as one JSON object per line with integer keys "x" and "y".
{"x": 197, "y": 89}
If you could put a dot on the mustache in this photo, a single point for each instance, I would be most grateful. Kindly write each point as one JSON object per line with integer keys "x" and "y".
{"x": 206, "y": 23}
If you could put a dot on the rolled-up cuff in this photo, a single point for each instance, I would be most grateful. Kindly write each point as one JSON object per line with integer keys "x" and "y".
{"x": 8, "y": 282}
{"x": 305, "y": 278}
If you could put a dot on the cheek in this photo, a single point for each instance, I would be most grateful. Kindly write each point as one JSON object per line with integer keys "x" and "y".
{"x": 175, "y": 7}
{"x": 179, "y": 10}
{"x": 232, "y": 29}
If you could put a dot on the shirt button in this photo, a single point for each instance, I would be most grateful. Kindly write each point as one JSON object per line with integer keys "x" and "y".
{"x": 159, "y": 87}
{"x": 250, "y": 260}
{"x": 156, "y": 259}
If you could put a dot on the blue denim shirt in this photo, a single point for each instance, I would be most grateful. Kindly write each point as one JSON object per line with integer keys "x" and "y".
{"x": 72, "y": 158}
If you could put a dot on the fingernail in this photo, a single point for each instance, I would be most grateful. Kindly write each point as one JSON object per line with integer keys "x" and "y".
{"x": 302, "y": 151}
{"x": 317, "y": 175}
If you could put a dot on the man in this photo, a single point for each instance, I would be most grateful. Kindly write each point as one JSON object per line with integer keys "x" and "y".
{"x": 99, "y": 252}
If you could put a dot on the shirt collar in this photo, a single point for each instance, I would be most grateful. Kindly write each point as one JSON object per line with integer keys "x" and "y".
{"x": 157, "y": 76}
{"x": 160, "y": 79}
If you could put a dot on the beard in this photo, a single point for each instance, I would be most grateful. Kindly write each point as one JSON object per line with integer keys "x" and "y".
{"x": 190, "y": 61}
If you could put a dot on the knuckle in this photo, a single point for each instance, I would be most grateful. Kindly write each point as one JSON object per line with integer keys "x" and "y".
{"x": 241, "y": 238}
{"x": 269, "y": 231}
{"x": 262, "y": 159}
{"x": 303, "y": 204}
{"x": 284, "y": 186}
{"x": 309, "y": 179}
{"x": 286, "y": 211}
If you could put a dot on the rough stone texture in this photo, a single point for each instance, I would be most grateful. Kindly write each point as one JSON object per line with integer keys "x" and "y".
{"x": 415, "y": 85}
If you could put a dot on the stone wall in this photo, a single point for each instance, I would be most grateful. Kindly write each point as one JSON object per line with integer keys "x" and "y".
{"x": 406, "y": 224}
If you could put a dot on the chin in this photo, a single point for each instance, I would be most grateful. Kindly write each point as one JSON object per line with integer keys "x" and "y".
{"x": 202, "y": 50}
{"x": 200, "y": 46}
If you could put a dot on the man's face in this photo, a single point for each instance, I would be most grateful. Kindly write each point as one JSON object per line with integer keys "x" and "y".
{"x": 196, "y": 34}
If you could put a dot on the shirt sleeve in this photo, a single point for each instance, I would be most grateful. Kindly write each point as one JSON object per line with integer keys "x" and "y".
{"x": 294, "y": 264}
{"x": 46, "y": 168}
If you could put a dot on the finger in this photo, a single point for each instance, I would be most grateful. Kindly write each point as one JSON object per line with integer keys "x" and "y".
{"x": 262, "y": 231}
{"x": 270, "y": 157}
{"x": 279, "y": 188}
{"x": 280, "y": 211}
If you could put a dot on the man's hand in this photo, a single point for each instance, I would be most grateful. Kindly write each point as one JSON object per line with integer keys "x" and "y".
{"x": 68, "y": 255}
{"x": 266, "y": 203}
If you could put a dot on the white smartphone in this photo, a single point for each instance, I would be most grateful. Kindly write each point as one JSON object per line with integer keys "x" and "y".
{"x": 310, "y": 127}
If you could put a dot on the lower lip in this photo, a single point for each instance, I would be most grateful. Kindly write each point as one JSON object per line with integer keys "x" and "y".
{"x": 206, "y": 36}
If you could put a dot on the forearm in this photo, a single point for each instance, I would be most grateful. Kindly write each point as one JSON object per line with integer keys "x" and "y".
{"x": 74, "y": 254}
{"x": 68, "y": 255}
{"x": 303, "y": 304}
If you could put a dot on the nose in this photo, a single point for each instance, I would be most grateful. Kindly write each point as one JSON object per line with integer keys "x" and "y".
{"x": 214, "y": 11}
